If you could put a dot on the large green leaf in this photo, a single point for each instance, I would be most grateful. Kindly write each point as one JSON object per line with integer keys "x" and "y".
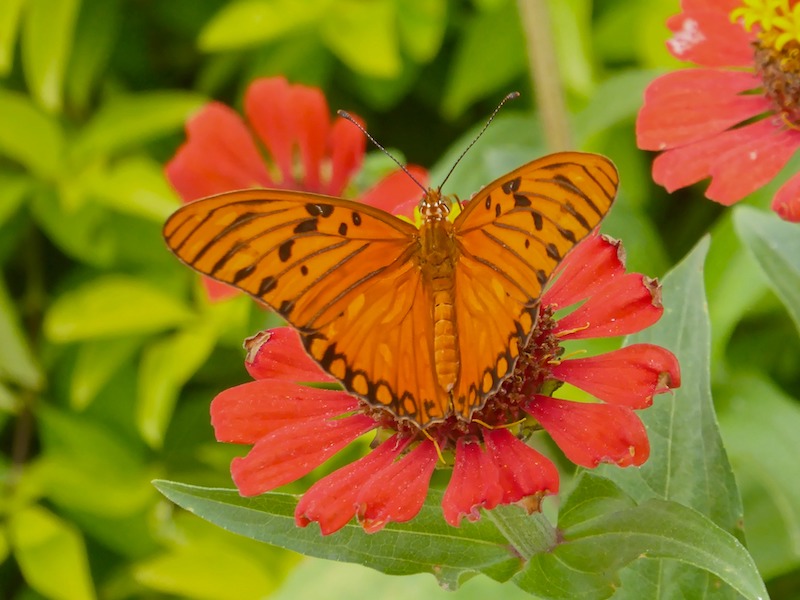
{"x": 10, "y": 13}
{"x": 760, "y": 426}
{"x": 28, "y": 136}
{"x": 421, "y": 25}
{"x": 110, "y": 306}
{"x": 17, "y": 361}
{"x": 688, "y": 463}
{"x": 133, "y": 120}
{"x": 51, "y": 555}
{"x": 425, "y": 545}
{"x": 47, "y": 39}
{"x": 775, "y": 244}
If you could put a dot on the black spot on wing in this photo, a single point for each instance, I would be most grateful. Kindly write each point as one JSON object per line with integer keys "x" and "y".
{"x": 521, "y": 201}
{"x": 343, "y": 229}
{"x": 511, "y": 186}
{"x": 286, "y": 307}
{"x": 319, "y": 210}
{"x": 538, "y": 222}
{"x": 552, "y": 251}
{"x": 488, "y": 203}
{"x": 267, "y": 285}
{"x": 285, "y": 250}
{"x": 304, "y": 269}
{"x": 497, "y": 210}
{"x": 306, "y": 226}
{"x": 243, "y": 273}
{"x": 356, "y": 219}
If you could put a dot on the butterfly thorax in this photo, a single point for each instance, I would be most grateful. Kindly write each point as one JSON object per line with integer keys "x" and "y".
{"x": 438, "y": 256}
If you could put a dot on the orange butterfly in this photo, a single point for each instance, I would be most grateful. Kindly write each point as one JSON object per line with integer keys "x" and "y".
{"x": 425, "y": 322}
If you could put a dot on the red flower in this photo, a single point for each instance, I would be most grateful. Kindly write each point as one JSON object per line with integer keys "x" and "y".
{"x": 736, "y": 119}
{"x": 295, "y": 428}
{"x": 305, "y": 150}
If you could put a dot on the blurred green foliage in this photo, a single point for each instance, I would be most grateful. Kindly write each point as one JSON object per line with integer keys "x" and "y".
{"x": 110, "y": 353}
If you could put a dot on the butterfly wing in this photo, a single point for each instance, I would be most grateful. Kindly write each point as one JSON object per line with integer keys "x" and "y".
{"x": 343, "y": 273}
{"x": 512, "y": 235}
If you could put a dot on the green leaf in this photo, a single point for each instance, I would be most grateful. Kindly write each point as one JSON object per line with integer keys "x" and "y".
{"x": 96, "y": 33}
{"x": 17, "y": 361}
{"x": 492, "y": 44}
{"x": 760, "y": 426}
{"x": 109, "y": 306}
{"x": 87, "y": 466}
{"x": 250, "y": 22}
{"x": 425, "y": 545}
{"x": 10, "y": 13}
{"x": 775, "y": 244}
{"x": 46, "y": 45}
{"x": 421, "y": 25}
{"x": 28, "y": 136}
{"x": 13, "y": 191}
{"x": 363, "y": 35}
{"x": 133, "y": 120}
{"x": 687, "y": 463}
{"x": 51, "y": 555}
{"x": 166, "y": 366}
{"x": 96, "y": 362}
{"x": 571, "y": 23}
{"x": 656, "y": 529}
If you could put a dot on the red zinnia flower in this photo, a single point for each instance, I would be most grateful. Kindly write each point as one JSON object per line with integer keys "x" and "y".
{"x": 295, "y": 428}
{"x": 291, "y": 127}
{"x": 736, "y": 119}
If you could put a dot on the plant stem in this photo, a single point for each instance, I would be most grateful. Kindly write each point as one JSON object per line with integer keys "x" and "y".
{"x": 544, "y": 74}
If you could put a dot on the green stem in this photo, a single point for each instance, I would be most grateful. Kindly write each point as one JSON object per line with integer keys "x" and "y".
{"x": 544, "y": 74}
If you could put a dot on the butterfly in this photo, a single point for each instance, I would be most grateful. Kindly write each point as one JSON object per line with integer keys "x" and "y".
{"x": 425, "y": 322}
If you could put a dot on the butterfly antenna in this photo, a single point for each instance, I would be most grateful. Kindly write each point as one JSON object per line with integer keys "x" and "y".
{"x": 346, "y": 115}
{"x": 510, "y": 96}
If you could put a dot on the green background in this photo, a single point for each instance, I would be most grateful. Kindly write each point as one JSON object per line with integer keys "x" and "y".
{"x": 110, "y": 353}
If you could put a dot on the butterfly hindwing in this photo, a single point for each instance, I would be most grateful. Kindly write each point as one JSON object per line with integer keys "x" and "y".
{"x": 512, "y": 235}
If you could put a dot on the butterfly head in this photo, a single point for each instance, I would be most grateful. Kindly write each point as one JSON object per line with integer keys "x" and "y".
{"x": 435, "y": 206}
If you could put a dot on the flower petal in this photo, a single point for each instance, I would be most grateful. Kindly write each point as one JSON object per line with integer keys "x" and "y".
{"x": 705, "y": 35}
{"x": 216, "y": 290}
{"x": 525, "y": 475}
{"x": 219, "y": 155}
{"x": 346, "y": 146}
{"x": 331, "y": 501}
{"x": 589, "y": 434}
{"x": 396, "y": 493}
{"x": 245, "y": 413}
{"x": 279, "y": 354}
{"x": 624, "y": 305}
{"x": 745, "y": 168}
{"x": 787, "y": 201}
{"x": 293, "y": 451}
{"x": 474, "y": 484}
{"x": 311, "y": 125}
{"x": 397, "y": 193}
{"x": 693, "y": 104}
{"x": 594, "y": 262}
{"x": 629, "y": 376}
{"x": 268, "y": 107}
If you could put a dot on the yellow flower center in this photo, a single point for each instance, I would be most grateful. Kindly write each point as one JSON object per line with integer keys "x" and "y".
{"x": 777, "y": 51}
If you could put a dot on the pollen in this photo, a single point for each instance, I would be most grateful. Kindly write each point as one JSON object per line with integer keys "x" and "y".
{"x": 776, "y": 24}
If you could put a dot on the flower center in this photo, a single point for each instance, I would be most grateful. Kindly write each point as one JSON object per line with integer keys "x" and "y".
{"x": 777, "y": 51}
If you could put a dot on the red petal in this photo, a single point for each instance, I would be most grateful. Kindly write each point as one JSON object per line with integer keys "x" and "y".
{"x": 693, "y": 104}
{"x": 787, "y": 201}
{"x": 293, "y": 451}
{"x": 267, "y": 104}
{"x": 246, "y": 413}
{"x": 625, "y": 305}
{"x": 396, "y": 493}
{"x": 217, "y": 291}
{"x": 397, "y": 193}
{"x": 684, "y": 166}
{"x": 705, "y": 35}
{"x": 474, "y": 484}
{"x": 279, "y": 354}
{"x": 590, "y": 266}
{"x": 346, "y": 147}
{"x": 629, "y": 376}
{"x": 525, "y": 475}
{"x": 218, "y": 156}
{"x": 331, "y": 501}
{"x": 589, "y": 434}
{"x": 310, "y": 112}
{"x": 751, "y": 165}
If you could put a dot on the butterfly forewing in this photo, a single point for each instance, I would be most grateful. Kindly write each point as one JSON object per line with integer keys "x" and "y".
{"x": 344, "y": 274}
{"x": 512, "y": 235}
